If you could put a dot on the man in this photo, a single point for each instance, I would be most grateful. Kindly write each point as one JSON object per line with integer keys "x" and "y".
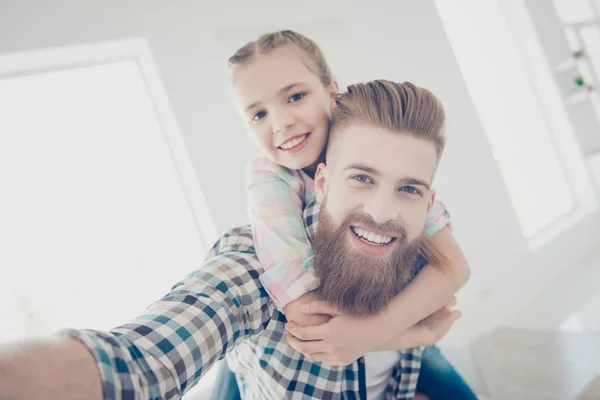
{"x": 385, "y": 145}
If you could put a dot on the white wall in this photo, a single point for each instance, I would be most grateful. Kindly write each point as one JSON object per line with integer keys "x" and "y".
{"x": 394, "y": 39}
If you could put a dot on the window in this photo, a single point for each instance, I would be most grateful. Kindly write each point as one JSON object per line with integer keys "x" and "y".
{"x": 573, "y": 11}
{"x": 583, "y": 33}
{"x": 100, "y": 209}
{"x": 521, "y": 111}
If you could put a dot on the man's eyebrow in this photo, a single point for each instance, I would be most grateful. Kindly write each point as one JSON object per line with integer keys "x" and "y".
{"x": 415, "y": 181}
{"x": 362, "y": 167}
{"x": 280, "y": 91}
{"x": 405, "y": 181}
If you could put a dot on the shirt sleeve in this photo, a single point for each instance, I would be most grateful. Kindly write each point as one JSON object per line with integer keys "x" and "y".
{"x": 437, "y": 218}
{"x": 275, "y": 207}
{"x": 164, "y": 352}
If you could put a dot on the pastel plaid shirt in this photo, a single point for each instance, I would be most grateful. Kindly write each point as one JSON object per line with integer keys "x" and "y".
{"x": 276, "y": 198}
{"x": 222, "y": 308}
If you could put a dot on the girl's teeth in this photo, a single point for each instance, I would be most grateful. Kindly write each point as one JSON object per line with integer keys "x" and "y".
{"x": 293, "y": 143}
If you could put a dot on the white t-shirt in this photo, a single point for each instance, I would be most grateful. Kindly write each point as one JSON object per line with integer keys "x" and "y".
{"x": 378, "y": 370}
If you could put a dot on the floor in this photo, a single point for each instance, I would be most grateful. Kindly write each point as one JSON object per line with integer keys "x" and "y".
{"x": 547, "y": 364}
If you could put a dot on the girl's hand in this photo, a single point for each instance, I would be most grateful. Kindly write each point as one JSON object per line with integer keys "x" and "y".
{"x": 344, "y": 339}
{"x": 293, "y": 312}
{"x": 341, "y": 340}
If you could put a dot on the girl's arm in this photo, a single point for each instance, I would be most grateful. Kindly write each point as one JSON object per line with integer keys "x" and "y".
{"x": 276, "y": 202}
{"x": 435, "y": 285}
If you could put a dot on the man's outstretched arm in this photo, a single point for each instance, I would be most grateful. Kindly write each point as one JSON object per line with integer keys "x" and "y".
{"x": 160, "y": 354}
{"x": 35, "y": 369}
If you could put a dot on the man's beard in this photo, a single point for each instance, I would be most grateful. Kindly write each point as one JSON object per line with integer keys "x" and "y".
{"x": 356, "y": 283}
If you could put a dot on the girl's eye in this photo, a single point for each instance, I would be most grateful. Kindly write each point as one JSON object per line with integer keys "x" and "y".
{"x": 259, "y": 115}
{"x": 296, "y": 97}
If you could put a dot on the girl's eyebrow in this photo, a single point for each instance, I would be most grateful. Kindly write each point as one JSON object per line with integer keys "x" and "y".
{"x": 282, "y": 90}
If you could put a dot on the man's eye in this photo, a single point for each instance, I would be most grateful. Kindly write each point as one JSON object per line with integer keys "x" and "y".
{"x": 362, "y": 179}
{"x": 296, "y": 97}
{"x": 259, "y": 115}
{"x": 410, "y": 190}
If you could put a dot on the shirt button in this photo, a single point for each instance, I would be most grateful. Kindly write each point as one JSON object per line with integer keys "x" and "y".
{"x": 361, "y": 360}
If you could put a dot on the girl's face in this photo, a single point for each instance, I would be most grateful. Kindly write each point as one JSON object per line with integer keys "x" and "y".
{"x": 285, "y": 106}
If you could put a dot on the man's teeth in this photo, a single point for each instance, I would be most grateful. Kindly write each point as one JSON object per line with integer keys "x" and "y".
{"x": 293, "y": 143}
{"x": 371, "y": 237}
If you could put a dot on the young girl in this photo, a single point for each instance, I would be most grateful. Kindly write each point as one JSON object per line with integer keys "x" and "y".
{"x": 286, "y": 93}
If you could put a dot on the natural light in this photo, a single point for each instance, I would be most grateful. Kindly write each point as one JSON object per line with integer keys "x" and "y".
{"x": 520, "y": 109}
{"x": 95, "y": 223}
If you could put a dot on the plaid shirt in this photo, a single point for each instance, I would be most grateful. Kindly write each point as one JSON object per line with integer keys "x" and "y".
{"x": 276, "y": 198}
{"x": 222, "y": 309}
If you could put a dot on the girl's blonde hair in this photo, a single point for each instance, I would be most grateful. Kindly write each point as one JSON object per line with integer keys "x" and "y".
{"x": 274, "y": 40}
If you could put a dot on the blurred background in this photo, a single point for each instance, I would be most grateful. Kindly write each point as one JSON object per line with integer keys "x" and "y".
{"x": 122, "y": 159}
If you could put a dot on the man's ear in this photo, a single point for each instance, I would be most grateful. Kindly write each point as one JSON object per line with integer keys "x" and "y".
{"x": 431, "y": 200}
{"x": 321, "y": 181}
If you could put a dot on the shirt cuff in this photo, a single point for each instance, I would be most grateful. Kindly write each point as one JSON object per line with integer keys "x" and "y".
{"x": 286, "y": 282}
{"x": 101, "y": 345}
{"x": 437, "y": 219}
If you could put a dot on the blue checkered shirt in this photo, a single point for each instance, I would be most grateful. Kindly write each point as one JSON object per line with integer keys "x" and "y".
{"x": 222, "y": 309}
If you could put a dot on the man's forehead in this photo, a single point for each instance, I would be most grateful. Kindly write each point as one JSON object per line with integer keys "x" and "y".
{"x": 384, "y": 151}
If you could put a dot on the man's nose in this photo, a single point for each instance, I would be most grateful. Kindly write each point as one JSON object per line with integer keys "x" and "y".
{"x": 381, "y": 207}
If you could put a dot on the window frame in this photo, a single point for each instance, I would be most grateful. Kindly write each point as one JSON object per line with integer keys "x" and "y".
{"x": 138, "y": 50}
